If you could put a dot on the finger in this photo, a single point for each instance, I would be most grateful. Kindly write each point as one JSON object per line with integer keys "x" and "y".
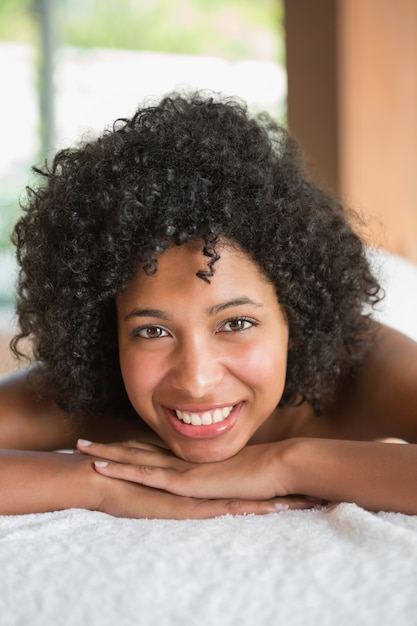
{"x": 235, "y": 506}
{"x": 145, "y": 474}
{"x": 298, "y": 502}
{"x": 160, "y": 505}
{"x": 200, "y": 509}
{"x": 172, "y": 481}
{"x": 125, "y": 499}
{"x": 144, "y": 502}
{"x": 177, "y": 477}
{"x": 132, "y": 443}
{"x": 133, "y": 452}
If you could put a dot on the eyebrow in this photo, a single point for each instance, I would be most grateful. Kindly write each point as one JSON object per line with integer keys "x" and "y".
{"x": 147, "y": 313}
{"x": 218, "y": 308}
{"x": 214, "y": 310}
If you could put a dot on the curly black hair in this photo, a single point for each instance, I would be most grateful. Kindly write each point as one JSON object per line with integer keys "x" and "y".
{"x": 192, "y": 166}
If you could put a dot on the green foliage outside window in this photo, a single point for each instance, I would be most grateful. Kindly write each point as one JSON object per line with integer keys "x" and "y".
{"x": 234, "y": 29}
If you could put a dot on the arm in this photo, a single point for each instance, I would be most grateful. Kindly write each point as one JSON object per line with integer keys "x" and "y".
{"x": 39, "y": 480}
{"x": 379, "y": 400}
{"x": 30, "y": 422}
{"x": 35, "y": 482}
{"x": 376, "y": 476}
{"x": 331, "y": 457}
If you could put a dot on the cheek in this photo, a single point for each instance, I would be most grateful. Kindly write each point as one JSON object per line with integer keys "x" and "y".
{"x": 264, "y": 368}
{"x": 141, "y": 375}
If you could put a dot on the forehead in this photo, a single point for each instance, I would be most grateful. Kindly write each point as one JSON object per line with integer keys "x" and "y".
{"x": 235, "y": 273}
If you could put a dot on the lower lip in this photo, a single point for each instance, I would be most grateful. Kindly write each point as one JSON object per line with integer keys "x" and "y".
{"x": 208, "y": 431}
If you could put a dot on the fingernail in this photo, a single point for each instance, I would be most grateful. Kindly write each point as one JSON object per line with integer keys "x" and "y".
{"x": 280, "y": 507}
{"x": 84, "y": 443}
{"x": 100, "y": 463}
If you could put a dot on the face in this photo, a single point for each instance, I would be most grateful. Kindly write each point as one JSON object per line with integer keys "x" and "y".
{"x": 203, "y": 364}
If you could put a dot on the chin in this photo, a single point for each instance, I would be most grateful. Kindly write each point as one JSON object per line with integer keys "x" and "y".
{"x": 204, "y": 452}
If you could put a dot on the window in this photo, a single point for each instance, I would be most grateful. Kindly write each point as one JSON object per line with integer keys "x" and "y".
{"x": 103, "y": 58}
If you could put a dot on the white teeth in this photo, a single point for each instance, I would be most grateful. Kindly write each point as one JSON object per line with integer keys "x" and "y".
{"x": 206, "y": 418}
{"x": 217, "y": 416}
{"x": 195, "y": 419}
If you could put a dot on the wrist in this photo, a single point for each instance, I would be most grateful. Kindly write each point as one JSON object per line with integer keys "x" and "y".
{"x": 89, "y": 488}
{"x": 37, "y": 482}
{"x": 295, "y": 465}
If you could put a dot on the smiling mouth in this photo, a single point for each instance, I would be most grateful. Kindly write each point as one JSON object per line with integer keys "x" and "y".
{"x": 206, "y": 418}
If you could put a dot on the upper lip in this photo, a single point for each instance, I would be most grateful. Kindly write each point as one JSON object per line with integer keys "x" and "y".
{"x": 200, "y": 408}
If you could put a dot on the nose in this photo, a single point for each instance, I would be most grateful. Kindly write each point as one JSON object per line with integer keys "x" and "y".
{"x": 196, "y": 368}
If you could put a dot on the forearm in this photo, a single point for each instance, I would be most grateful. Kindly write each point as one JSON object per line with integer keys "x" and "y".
{"x": 35, "y": 482}
{"x": 376, "y": 476}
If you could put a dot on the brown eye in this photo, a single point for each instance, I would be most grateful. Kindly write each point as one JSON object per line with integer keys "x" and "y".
{"x": 150, "y": 332}
{"x": 237, "y": 324}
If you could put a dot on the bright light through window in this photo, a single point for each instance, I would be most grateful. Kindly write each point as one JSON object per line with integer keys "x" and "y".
{"x": 109, "y": 56}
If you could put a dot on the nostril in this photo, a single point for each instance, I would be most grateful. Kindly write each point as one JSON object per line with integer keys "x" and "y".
{"x": 196, "y": 375}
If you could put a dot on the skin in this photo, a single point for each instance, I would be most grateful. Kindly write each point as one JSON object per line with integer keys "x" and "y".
{"x": 185, "y": 344}
{"x": 188, "y": 345}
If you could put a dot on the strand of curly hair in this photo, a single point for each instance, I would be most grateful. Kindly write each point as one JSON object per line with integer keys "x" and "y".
{"x": 190, "y": 167}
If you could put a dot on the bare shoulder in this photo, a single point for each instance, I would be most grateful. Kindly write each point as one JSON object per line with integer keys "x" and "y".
{"x": 29, "y": 421}
{"x": 380, "y": 399}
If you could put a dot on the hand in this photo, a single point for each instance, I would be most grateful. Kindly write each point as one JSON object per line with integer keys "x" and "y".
{"x": 128, "y": 499}
{"x": 250, "y": 476}
{"x": 36, "y": 482}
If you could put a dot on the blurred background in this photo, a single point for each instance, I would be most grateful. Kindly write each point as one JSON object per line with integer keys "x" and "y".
{"x": 341, "y": 73}
{"x": 69, "y": 68}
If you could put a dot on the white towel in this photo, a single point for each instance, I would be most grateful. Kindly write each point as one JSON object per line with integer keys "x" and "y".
{"x": 332, "y": 566}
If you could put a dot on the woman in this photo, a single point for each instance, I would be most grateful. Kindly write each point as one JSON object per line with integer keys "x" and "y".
{"x": 188, "y": 289}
